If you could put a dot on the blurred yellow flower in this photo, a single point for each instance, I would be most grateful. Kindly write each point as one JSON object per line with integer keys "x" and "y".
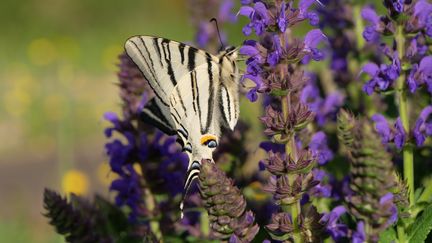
{"x": 42, "y": 52}
{"x": 105, "y": 175}
{"x": 75, "y": 181}
{"x": 19, "y": 91}
{"x": 137, "y": 169}
{"x": 16, "y": 102}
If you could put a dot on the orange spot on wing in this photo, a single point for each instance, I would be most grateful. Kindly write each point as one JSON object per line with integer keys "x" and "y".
{"x": 207, "y": 137}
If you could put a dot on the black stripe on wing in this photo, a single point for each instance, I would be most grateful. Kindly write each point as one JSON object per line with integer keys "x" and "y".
{"x": 210, "y": 104}
{"x": 167, "y": 56}
{"x": 153, "y": 115}
{"x": 225, "y": 104}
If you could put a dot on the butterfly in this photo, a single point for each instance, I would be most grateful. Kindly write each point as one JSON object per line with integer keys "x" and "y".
{"x": 196, "y": 94}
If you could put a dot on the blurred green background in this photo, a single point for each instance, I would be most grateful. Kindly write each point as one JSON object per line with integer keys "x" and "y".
{"x": 57, "y": 78}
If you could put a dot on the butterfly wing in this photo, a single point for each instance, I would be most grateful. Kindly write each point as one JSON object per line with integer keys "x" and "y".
{"x": 163, "y": 63}
{"x": 195, "y": 91}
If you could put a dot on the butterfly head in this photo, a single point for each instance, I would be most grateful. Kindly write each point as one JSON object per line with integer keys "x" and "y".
{"x": 229, "y": 52}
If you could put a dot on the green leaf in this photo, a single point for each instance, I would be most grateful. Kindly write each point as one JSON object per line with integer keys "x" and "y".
{"x": 115, "y": 219}
{"x": 388, "y": 236}
{"x": 421, "y": 227}
{"x": 279, "y": 237}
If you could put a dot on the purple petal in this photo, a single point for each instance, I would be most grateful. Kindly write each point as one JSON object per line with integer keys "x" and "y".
{"x": 423, "y": 126}
{"x": 369, "y": 14}
{"x": 319, "y": 148}
{"x": 249, "y": 50}
{"x": 422, "y": 10}
{"x": 261, "y": 9}
{"x": 400, "y": 135}
{"x": 282, "y": 21}
{"x": 425, "y": 65}
{"x": 370, "y": 34}
{"x": 359, "y": 236}
{"x": 382, "y": 127}
{"x": 247, "y": 29}
{"x": 246, "y": 11}
{"x": 225, "y": 11}
{"x": 252, "y": 95}
{"x": 398, "y": 5}
{"x": 274, "y": 147}
{"x": 412, "y": 83}
{"x": 313, "y": 38}
{"x": 111, "y": 116}
{"x": 313, "y": 18}
{"x": 304, "y": 5}
{"x": 385, "y": 198}
{"x": 371, "y": 68}
{"x": 369, "y": 87}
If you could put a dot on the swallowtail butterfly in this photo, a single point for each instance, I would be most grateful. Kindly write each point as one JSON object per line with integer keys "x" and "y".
{"x": 196, "y": 94}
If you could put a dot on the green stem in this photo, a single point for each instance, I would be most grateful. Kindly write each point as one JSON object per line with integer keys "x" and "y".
{"x": 359, "y": 26}
{"x": 291, "y": 149}
{"x": 150, "y": 204}
{"x": 401, "y": 234}
{"x": 205, "y": 223}
{"x": 408, "y": 158}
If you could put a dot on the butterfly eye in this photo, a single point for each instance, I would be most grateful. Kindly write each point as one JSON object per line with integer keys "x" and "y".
{"x": 188, "y": 148}
{"x": 212, "y": 144}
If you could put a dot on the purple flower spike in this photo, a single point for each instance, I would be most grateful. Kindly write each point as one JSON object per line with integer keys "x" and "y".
{"x": 423, "y": 126}
{"x": 359, "y": 236}
{"x": 319, "y": 148}
{"x": 370, "y": 33}
{"x": 311, "y": 41}
{"x": 334, "y": 228}
{"x": 382, "y": 127}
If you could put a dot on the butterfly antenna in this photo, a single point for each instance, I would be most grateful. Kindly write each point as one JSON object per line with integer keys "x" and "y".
{"x": 217, "y": 28}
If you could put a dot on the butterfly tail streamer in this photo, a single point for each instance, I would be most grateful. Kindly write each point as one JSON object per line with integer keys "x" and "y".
{"x": 192, "y": 173}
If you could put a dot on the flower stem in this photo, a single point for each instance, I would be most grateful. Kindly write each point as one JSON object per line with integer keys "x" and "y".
{"x": 205, "y": 223}
{"x": 291, "y": 149}
{"x": 359, "y": 26}
{"x": 401, "y": 234}
{"x": 408, "y": 158}
{"x": 150, "y": 204}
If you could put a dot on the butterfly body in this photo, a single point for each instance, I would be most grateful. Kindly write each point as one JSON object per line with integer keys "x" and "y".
{"x": 196, "y": 93}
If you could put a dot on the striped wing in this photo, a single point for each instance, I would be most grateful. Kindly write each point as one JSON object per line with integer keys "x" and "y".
{"x": 204, "y": 100}
{"x": 182, "y": 77}
{"x": 163, "y": 62}
{"x": 193, "y": 100}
